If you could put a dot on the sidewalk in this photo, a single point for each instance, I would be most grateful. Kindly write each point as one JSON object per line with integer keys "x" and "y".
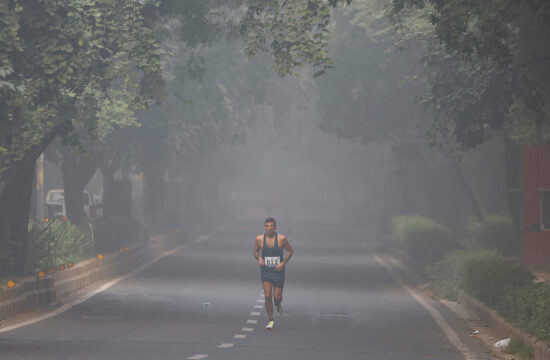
{"x": 479, "y": 328}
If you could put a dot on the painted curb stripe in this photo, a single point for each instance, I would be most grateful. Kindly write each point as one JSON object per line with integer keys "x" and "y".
{"x": 452, "y": 336}
{"x": 100, "y": 289}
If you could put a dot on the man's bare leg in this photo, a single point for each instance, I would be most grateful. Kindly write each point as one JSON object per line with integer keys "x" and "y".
{"x": 268, "y": 301}
{"x": 278, "y": 296}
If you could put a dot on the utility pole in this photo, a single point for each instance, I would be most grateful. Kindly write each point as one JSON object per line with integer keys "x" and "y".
{"x": 40, "y": 188}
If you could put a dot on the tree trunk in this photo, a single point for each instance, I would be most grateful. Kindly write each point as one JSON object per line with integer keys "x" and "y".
{"x": 154, "y": 185}
{"x": 512, "y": 153}
{"x": 469, "y": 191}
{"x": 108, "y": 181}
{"x": 16, "y": 181}
{"x": 117, "y": 195}
{"x": 14, "y": 214}
{"x": 76, "y": 174}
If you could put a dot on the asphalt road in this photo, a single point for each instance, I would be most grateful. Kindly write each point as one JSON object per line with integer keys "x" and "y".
{"x": 339, "y": 302}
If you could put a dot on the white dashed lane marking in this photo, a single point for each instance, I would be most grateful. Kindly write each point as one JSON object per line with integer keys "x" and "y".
{"x": 225, "y": 345}
{"x": 247, "y": 329}
{"x": 198, "y": 356}
{"x": 254, "y": 313}
{"x": 239, "y": 336}
{"x": 250, "y": 321}
{"x": 258, "y": 306}
{"x": 260, "y": 300}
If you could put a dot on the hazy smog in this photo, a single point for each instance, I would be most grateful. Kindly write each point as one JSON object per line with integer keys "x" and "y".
{"x": 297, "y": 179}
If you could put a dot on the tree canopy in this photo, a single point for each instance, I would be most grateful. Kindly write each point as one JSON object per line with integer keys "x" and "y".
{"x": 488, "y": 69}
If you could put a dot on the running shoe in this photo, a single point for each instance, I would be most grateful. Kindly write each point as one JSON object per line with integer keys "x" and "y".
{"x": 270, "y": 325}
{"x": 279, "y": 309}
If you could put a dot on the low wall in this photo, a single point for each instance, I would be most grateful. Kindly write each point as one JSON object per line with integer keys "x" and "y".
{"x": 501, "y": 327}
{"x": 30, "y": 291}
{"x": 33, "y": 291}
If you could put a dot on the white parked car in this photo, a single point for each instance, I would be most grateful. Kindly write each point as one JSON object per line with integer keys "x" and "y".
{"x": 55, "y": 204}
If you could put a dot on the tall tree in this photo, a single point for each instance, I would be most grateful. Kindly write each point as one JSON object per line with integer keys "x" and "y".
{"x": 494, "y": 75}
{"x": 69, "y": 69}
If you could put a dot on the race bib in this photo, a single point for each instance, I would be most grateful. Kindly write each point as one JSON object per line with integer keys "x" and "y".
{"x": 272, "y": 261}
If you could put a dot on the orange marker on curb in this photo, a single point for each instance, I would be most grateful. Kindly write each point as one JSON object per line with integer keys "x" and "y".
{"x": 99, "y": 256}
{"x": 11, "y": 284}
{"x": 41, "y": 274}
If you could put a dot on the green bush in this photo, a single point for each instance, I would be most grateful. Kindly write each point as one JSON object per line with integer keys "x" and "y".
{"x": 495, "y": 232}
{"x": 485, "y": 275}
{"x": 520, "y": 349}
{"x": 491, "y": 276}
{"x": 529, "y": 308}
{"x": 500, "y": 283}
{"x": 7, "y": 261}
{"x": 58, "y": 242}
{"x": 422, "y": 238}
{"x": 447, "y": 275}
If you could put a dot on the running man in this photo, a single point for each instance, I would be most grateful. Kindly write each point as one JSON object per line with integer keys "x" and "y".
{"x": 272, "y": 262}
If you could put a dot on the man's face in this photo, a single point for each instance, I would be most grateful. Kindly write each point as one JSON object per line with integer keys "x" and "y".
{"x": 270, "y": 228}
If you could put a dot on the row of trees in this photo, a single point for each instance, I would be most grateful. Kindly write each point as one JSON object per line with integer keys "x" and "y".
{"x": 87, "y": 73}
{"x": 113, "y": 82}
{"x": 478, "y": 69}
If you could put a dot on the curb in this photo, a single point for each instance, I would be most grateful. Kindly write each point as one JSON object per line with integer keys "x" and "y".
{"x": 501, "y": 327}
{"x": 494, "y": 321}
{"x": 33, "y": 291}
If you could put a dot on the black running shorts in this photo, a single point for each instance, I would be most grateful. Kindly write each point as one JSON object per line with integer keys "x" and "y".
{"x": 278, "y": 283}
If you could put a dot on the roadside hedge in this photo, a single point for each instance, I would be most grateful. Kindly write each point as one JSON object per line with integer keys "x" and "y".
{"x": 500, "y": 283}
{"x": 495, "y": 232}
{"x": 58, "y": 242}
{"x": 529, "y": 308}
{"x": 491, "y": 277}
{"x": 422, "y": 238}
{"x": 447, "y": 276}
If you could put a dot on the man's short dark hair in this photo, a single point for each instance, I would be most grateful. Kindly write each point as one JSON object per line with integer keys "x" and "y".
{"x": 270, "y": 220}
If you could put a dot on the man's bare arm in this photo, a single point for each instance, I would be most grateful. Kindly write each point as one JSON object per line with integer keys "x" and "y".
{"x": 257, "y": 247}
{"x": 289, "y": 250}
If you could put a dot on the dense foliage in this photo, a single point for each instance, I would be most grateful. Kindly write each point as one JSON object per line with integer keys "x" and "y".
{"x": 69, "y": 68}
{"x": 58, "y": 243}
{"x": 80, "y": 69}
{"x": 500, "y": 283}
{"x": 494, "y": 232}
{"x": 422, "y": 238}
{"x": 488, "y": 68}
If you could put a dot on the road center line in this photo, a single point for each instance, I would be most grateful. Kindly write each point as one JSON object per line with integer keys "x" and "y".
{"x": 198, "y": 356}
{"x": 239, "y": 336}
{"x": 250, "y": 321}
{"x": 247, "y": 329}
{"x": 449, "y": 332}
